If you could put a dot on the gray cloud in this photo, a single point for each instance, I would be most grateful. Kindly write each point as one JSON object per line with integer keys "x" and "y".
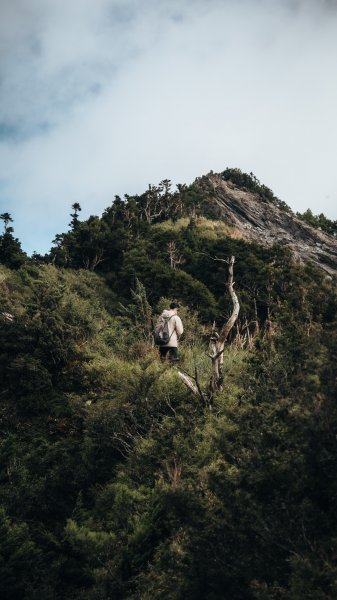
{"x": 103, "y": 98}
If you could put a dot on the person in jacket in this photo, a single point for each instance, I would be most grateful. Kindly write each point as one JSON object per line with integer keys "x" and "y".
{"x": 176, "y": 329}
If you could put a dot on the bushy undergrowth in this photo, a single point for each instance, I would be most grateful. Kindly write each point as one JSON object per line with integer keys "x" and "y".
{"x": 117, "y": 482}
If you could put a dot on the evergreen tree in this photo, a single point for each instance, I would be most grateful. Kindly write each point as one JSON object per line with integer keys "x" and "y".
{"x": 74, "y": 221}
{"x": 11, "y": 254}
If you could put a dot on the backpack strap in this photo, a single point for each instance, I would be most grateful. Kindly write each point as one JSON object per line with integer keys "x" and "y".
{"x": 173, "y": 329}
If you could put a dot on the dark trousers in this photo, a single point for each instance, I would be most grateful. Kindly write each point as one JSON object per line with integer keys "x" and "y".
{"x": 167, "y": 350}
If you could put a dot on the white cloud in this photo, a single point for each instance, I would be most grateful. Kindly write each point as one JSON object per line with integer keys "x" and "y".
{"x": 106, "y": 97}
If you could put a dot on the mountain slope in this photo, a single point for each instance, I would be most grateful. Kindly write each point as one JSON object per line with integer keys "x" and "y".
{"x": 266, "y": 223}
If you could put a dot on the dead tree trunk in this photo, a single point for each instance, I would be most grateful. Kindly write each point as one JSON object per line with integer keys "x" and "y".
{"x": 216, "y": 346}
{"x": 217, "y": 341}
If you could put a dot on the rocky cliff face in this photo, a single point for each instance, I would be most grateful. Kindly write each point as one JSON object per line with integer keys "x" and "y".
{"x": 267, "y": 224}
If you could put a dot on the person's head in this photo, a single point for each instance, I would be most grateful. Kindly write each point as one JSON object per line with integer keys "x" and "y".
{"x": 174, "y": 306}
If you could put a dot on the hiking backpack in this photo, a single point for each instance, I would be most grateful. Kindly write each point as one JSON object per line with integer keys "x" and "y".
{"x": 161, "y": 333}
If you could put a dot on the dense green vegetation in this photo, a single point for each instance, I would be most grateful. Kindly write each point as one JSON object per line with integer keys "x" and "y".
{"x": 319, "y": 221}
{"x": 11, "y": 253}
{"x": 251, "y": 183}
{"x": 116, "y": 482}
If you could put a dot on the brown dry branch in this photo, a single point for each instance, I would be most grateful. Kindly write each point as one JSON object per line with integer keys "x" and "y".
{"x": 216, "y": 345}
{"x": 174, "y": 470}
{"x": 174, "y": 257}
{"x": 217, "y": 341}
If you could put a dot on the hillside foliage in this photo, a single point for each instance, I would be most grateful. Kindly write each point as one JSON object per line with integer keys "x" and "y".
{"x": 319, "y": 221}
{"x": 116, "y": 481}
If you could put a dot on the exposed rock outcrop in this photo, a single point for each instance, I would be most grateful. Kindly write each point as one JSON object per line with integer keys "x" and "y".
{"x": 266, "y": 223}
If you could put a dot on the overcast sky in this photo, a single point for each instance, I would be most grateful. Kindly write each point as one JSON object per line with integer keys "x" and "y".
{"x": 103, "y": 97}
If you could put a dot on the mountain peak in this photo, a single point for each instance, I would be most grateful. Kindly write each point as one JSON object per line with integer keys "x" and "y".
{"x": 262, "y": 218}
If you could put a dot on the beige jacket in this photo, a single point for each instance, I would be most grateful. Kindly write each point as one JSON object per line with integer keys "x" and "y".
{"x": 175, "y": 327}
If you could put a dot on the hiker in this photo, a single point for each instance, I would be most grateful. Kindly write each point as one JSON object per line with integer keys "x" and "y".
{"x": 175, "y": 329}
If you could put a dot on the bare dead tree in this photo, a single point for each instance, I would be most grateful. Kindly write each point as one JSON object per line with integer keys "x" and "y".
{"x": 172, "y": 251}
{"x": 217, "y": 341}
{"x": 216, "y": 345}
{"x": 174, "y": 470}
{"x": 91, "y": 264}
{"x": 152, "y": 206}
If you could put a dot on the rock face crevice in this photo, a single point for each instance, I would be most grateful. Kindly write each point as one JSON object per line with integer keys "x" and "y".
{"x": 264, "y": 222}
